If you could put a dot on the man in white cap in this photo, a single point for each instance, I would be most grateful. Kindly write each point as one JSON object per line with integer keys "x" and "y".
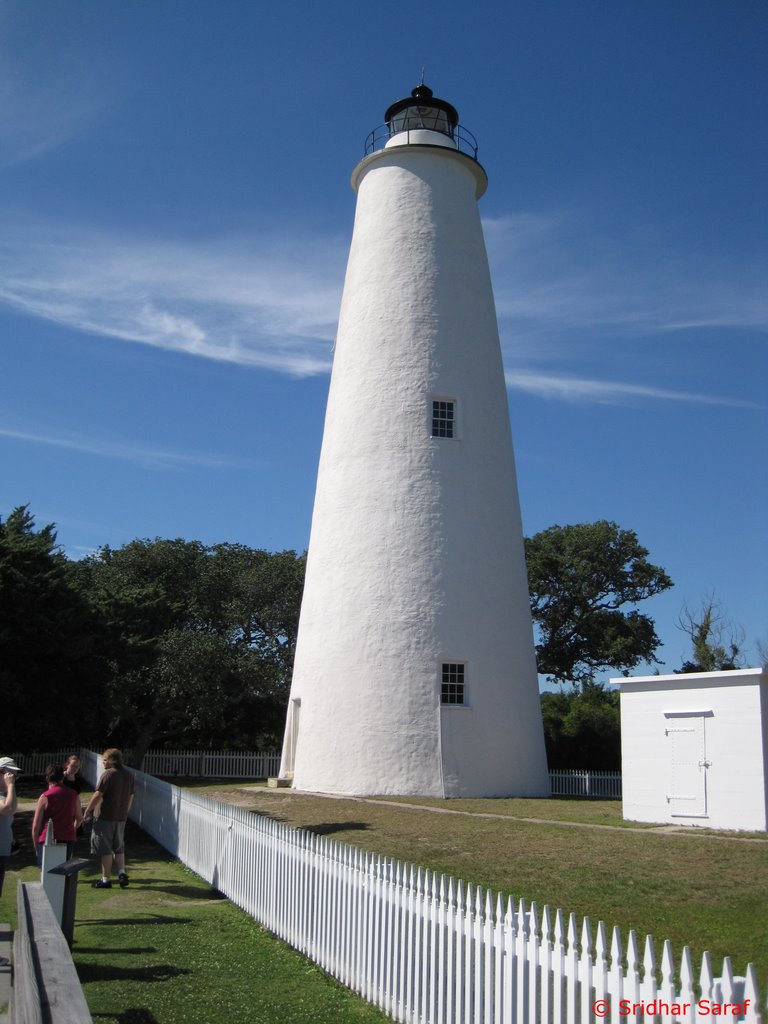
{"x": 8, "y": 804}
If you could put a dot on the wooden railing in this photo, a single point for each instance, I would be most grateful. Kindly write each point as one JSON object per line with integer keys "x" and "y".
{"x": 46, "y": 988}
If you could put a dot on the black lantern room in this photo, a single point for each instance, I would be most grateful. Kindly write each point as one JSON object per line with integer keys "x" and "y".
{"x": 422, "y": 111}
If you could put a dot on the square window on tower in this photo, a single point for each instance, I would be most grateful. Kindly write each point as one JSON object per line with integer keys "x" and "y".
{"x": 453, "y": 690}
{"x": 443, "y": 417}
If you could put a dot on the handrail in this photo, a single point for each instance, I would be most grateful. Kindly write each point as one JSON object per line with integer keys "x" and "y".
{"x": 462, "y": 138}
{"x": 46, "y": 987}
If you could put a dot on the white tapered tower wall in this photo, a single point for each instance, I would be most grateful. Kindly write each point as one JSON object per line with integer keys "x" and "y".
{"x": 416, "y": 549}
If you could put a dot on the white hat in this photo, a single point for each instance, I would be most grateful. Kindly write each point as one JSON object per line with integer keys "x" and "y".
{"x": 7, "y": 764}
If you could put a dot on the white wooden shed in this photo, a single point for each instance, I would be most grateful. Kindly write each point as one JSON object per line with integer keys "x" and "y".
{"x": 695, "y": 748}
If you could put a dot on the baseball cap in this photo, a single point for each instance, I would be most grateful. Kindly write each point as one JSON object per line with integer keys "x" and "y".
{"x": 7, "y": 764}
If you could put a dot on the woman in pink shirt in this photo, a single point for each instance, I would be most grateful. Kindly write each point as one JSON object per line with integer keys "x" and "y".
{"x": 61, "y": 807}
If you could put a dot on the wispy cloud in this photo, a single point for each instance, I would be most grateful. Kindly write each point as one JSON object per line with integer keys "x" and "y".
{"x": 581, "y": 389}
{"x": 268, "y": 304}
{"x": 273, "y": 303}
{"x": 559, "y": 272}
{"x": 44, "y": 106}
{"x": 39, "y": 124}
{"x": 146, "y": 457}
{"x": 560, "y": 288}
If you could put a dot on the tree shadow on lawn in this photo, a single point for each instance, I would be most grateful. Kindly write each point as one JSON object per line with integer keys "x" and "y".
{"x": 279, "y": 818}
{"x": 109, "y": 972}
{"x": 329, "y": 828}
{"x": 135, "y": 1015}
{"x": 116, "y": 949}
{"x": 26, "y": 855}
{"x": 152, "y": 919}
{"x": 156, "y": 886}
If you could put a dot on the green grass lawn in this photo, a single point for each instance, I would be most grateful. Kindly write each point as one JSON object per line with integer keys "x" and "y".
{"x": 707, "y": 891}
{"x": 171, "y": 950}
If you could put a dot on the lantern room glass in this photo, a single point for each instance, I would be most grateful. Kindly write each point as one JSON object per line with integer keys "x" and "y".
{"x": 432, "y": 119}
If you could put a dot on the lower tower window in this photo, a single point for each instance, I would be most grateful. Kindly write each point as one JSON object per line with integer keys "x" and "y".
{"x": 443, "y": 418}
{"x": 453, "y": 688}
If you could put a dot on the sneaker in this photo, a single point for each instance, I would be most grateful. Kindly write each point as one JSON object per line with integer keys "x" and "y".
{"x": 122, "y": 879}
{"x": 101, "y": 884}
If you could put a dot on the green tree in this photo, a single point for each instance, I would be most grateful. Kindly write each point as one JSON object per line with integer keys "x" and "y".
{"x": 716, "y": 643}
{"x": 582, "y": 728}
{"x": 584, "y": 580}
{"x": 202, "y": 640}
{"x": 51, "y": 642}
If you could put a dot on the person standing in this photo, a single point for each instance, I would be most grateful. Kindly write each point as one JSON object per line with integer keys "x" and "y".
{"x": 72, "y": 778}
{"x": 8, "y": 804}
{"x": 109, "y": 806}
{"x": 61, "y": 807}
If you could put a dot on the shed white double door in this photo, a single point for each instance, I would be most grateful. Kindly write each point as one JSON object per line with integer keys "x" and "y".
{"x": 688, "y": 764}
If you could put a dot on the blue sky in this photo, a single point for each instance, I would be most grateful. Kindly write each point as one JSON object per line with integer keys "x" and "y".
{"x": 175, "y": 212}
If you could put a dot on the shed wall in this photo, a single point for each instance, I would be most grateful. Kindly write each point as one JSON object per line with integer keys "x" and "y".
{"x": 694, "y": 738}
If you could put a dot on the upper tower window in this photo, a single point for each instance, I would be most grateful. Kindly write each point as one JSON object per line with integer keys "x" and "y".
{"x": 443, "y": 418}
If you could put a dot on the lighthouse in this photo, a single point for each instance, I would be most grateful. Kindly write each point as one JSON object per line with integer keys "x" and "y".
{"x": 415, "y": 667}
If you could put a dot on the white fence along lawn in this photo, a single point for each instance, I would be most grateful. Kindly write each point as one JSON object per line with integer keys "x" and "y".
{"x": 425, "y": 948}
{"x": 570, "y": 782}
{"x": 244, "y": 764}
{"x": 214, "y": 764}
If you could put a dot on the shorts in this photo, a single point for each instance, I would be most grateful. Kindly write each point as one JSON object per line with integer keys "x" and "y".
{"x": 107, "y": 837}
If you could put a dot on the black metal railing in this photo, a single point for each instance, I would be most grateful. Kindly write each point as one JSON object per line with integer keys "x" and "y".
{"x": 463, "y": 139}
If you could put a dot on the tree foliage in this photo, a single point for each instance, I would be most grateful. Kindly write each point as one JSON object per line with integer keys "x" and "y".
{"x": 159, "y": 641}
{"x": 716, "y": 643}
{"x": 582, "y": 728}
{"x": 51, "y": 666}
{"x": 203, "y": 640}
{"x": 584, "y": 580}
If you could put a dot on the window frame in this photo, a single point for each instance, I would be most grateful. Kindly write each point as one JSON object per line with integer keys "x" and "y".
{"x": 456, "y": 671}
{"x": 445, "y": 400}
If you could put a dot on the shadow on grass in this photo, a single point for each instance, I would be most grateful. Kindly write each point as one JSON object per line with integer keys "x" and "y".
{"x": 336, "y": 826}
{"x": 167, "y": 885}
{"x": 260, "y": 813}
{"x": 115, "y": 949}
{"x": 26, "y": 857}
{"x": 108, "y": 972}
{"x": 136, "y": 1015}
{"x": 150, "y": 919}
{"x": 574, "y": 799}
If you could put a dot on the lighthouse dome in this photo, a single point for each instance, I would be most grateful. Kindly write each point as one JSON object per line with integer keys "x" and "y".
{"x": 422, "y": 110}
{"x": 422, "y": 119}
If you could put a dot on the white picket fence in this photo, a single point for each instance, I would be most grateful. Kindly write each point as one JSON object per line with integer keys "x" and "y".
{"x": 249, "y": 764}
{"x": 214, "y": 764}
{"x": 569, "y": 782}
{"x": 424, "y": 948}
{"x": 36, "y": 763}
{"x": 218, "y": 764}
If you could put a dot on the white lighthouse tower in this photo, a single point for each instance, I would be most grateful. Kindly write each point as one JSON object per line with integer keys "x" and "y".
{"x": 415, "y": 670}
